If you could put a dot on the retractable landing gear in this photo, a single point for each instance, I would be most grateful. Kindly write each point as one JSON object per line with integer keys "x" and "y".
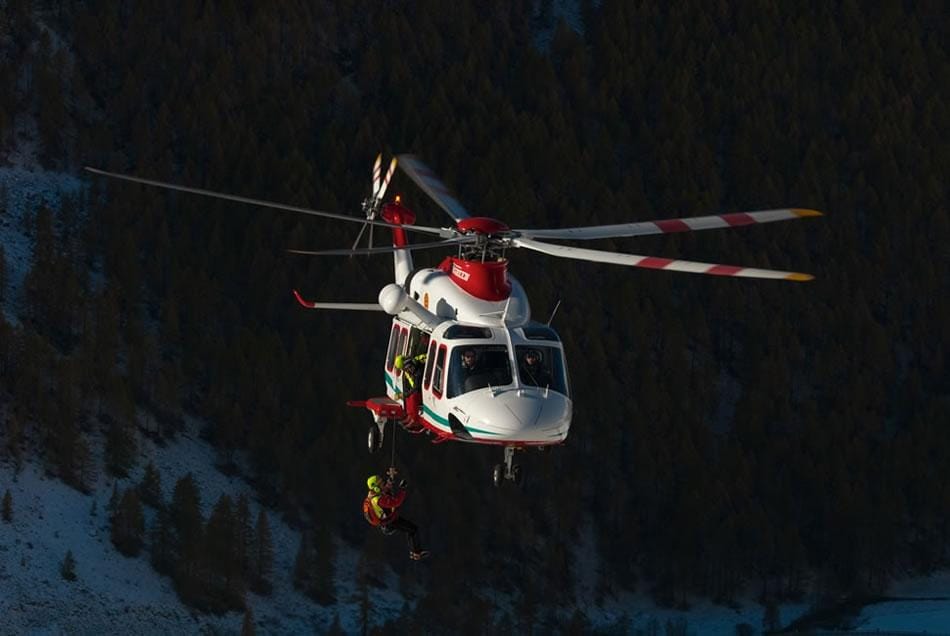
{"x": 508, "y": 471}
{"x": 374, "y": 439}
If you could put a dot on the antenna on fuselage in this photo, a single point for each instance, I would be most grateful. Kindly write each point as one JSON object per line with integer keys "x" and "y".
{"x": 553, "y": 313}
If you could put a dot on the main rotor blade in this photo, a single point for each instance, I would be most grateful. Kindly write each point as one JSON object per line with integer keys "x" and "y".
{"x": 269, "y": 204}
{"x": 388, "y": 249}
{"x": 359, "y": 236}
{"x": 666, "y": 226}
{"x": 426, "y": 179}
{"x": 654, "y": 262}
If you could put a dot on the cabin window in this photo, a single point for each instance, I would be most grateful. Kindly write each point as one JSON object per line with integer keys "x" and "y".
{"x": 418, "y": 341}
{"x": 489, "y": 366}
{"x": 466, "y": 331}
{"x": 537, "y": 331}
{"x": 401, "y": 345}
{"x": 542, "y": 366}
{"x": 430, "y": 363}
{"x": 391, "y": 351}
{"x": 438, "y": 371}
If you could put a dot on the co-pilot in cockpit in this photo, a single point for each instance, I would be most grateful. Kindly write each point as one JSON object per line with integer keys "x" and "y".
{"x": 537, "y": 354}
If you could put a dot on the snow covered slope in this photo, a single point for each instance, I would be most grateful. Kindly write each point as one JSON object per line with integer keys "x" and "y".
{"x": 116, "y": 594}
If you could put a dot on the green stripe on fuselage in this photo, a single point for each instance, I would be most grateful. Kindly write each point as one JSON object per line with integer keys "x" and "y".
{"x": 435, "y": 416}
{"x": 444, "y": 422}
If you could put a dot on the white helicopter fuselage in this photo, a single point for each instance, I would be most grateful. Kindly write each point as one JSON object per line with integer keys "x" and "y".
{"x": 497, "y": 400}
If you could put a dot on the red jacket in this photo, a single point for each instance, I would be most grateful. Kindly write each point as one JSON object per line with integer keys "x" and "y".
{"x": 385, "y": 502}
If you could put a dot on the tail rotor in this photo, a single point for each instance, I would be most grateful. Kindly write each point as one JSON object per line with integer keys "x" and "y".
{"x": 373, "y": 203}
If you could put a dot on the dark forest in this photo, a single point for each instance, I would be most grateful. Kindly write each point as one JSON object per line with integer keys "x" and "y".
{"x": 731, "y": 438}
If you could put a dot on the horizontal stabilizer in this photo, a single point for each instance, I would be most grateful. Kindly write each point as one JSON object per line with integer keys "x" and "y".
{"x": 348, "y": 306}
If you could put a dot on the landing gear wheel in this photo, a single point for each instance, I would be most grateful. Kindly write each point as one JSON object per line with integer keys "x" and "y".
{"x": 374, "y": 439}
{"x": 517, "y": 476}
{"x": 498, "y": 474}
{"x": 508, "y": 471}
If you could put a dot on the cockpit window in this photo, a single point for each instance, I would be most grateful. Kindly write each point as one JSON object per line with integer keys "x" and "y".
{"x": 476, "y": 367}
{"x": 541, "y": 366}
{"x": 466, "y": 331}
{"x": 540, "y": 332}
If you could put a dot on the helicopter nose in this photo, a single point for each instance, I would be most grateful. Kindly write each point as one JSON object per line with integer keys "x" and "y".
{"x": 529, "y": 416}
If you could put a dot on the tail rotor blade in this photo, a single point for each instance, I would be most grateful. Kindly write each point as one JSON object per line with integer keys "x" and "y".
{"x": 387, "y": 179}
{"x": 376, "y": 168}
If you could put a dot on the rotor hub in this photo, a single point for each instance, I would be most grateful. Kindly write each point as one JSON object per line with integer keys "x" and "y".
{"x": 482, "y": 225}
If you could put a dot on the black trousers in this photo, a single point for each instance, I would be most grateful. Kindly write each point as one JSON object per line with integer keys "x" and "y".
{"x": 404, "y": 525}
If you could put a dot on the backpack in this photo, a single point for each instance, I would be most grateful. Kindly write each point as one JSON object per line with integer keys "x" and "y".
{"x": 368, "y": 513}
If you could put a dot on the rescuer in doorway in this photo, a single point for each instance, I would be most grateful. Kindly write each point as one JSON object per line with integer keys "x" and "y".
{"x": 411, "y": 393}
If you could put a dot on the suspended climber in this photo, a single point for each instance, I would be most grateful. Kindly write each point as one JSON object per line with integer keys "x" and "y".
{"x": 381, "y": 510}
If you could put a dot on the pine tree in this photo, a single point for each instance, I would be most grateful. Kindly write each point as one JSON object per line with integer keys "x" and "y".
{"x": 85, "y": 462}
{"x": 7, "y": 507}
{"x": 67, "y": 568}
{"x": 150, "y": 489}
{"x": 221, "y": 541}
{"x": 247, "y": 626}
{"x": 335, "y": 629}
{"x": 263, "y": 557}
{"x": 771, "y": 620}
{"x": 187, "y": 537}
{"x": 3, "y": 273}
{"x": 244, "y": 540}
{"x": 302, "y": 563}
{"x": 128, "y": 524}
{"x": 321, "y": 571}
{"x": 113, "y": 504}
{"x": 120, "y": 447}
{"x": 161, "y": 546}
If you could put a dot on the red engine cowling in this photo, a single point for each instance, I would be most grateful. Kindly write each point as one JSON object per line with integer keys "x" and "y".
{"x": 487, "y": 281}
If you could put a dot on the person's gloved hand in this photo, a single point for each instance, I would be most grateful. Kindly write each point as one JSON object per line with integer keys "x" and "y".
{"x": 403, "y": 484}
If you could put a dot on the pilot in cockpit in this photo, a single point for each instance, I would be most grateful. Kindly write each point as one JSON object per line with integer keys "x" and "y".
{"x": 532, "y": 371}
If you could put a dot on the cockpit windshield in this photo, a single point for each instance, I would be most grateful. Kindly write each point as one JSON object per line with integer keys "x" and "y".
{"x": 541, "y": 366}
{"x": 476, "y": 367}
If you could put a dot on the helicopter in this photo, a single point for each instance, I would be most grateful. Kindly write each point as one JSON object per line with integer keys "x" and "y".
{"x": 470, "y": 304}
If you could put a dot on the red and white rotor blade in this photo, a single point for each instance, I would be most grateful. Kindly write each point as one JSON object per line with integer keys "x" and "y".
{"x": 386, "y": 179}
{"x": 654, "y": 262}
{"x": 669, "y": 226}
{"x": 376, "y": 168}
{"x": 426, "y": 179}
{"x": 348, "y": 306}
